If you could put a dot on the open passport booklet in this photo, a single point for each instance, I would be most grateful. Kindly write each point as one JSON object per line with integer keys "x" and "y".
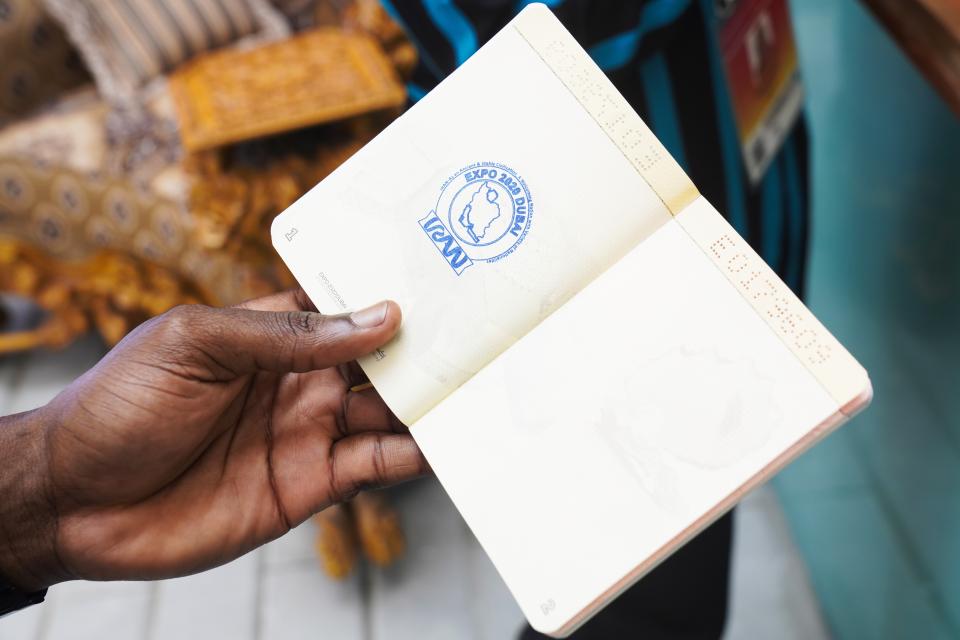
{"x": 583, "y": 332}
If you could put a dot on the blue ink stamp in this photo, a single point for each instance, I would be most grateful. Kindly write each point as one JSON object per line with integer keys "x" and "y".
{"x": 483, "y": 214}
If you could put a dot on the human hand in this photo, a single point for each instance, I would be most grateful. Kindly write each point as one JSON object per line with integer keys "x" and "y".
{"x": 202, "y": 435}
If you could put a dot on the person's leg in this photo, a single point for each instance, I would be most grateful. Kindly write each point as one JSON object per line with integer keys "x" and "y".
{"x": 685, "y": 598}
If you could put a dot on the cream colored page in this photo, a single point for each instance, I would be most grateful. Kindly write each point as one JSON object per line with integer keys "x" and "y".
{"x": 611, "y": 111}
{"x": 594, "y": 445}
{"x": 798, "y": 329}
{"x": 359, "y": 236}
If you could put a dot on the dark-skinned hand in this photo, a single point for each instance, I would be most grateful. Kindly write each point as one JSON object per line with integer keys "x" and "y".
{"x": 202, "y": 435}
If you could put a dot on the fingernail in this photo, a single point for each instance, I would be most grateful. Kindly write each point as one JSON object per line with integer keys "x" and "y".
{"x": 370, "y": 317}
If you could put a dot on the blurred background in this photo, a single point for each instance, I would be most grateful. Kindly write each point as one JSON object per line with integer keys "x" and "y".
{"x": 109, "y": 215}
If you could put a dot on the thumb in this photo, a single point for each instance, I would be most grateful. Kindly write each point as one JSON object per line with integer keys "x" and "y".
{"x": 234, "y": 341}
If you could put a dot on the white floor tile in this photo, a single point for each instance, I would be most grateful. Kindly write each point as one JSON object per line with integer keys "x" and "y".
{"x": 496, "y": 614}
{"x": 428, "y": 594}
{"x": 771, "y": 595}
{"x": 296, "y": 547}
{"x": 46, "y": 373}
{"x": 221, "y": 603}
{"x": 299, "y": 602}
{"x": 95, "y": 611}
{"x": 22, "y": 625}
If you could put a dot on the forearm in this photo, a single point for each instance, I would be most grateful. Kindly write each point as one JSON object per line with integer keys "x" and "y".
{"x": 28, "y": 510}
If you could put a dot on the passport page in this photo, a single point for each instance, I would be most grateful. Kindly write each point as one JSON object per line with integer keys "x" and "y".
{"x": 633, "y": 417}
{"x": 593, "y": 361}
{"x": 481, "y": 210}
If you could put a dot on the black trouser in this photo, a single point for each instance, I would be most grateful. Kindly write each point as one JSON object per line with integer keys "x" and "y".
{"x": 684, "y": 598}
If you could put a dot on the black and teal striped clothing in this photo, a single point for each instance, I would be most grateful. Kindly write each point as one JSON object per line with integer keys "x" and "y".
{"x": 663, "y": 56}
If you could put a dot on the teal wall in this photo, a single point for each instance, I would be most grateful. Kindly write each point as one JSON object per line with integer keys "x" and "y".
{"x": 876, "y": 508}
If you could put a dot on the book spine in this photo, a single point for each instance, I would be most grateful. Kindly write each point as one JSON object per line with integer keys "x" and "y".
{"x": 608, "y": 108}
{"x": 800, "y": 332}
{"x": 786, "y": 315}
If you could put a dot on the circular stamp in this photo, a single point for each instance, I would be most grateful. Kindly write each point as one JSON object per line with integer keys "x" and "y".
{"x": 483, "y": 214}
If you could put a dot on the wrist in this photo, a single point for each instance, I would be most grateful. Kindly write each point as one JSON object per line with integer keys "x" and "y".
{"x": 29, "y": 559}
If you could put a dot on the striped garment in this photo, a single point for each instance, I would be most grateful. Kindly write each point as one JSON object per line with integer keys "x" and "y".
{"x": 129, "y": 42}
{"x": 663, "y": 56}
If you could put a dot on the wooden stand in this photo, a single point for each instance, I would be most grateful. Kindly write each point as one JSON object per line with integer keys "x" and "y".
{"x": 929, "y": 32}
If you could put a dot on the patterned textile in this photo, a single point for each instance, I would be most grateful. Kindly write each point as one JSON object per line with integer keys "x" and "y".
{"x": 104, "y": 221}
{"x": 322, "y": 76}
{"x": 94, "y": 228}
{"x": 299, "y": 12}
{"x": 39, "y": 63}
{"x": 127, "y": 43}
{"x": 117, "y": 233}
{"x": 82, "y": 232}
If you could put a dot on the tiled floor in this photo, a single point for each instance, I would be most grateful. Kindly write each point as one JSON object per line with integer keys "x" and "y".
{"x": 444, "y": 589}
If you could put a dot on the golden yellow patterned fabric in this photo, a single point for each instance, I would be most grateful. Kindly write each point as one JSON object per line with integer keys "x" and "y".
{"x": 73, "y": 216}
{"x": 39, "y": 63}
{"x": 127, "y": 43}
